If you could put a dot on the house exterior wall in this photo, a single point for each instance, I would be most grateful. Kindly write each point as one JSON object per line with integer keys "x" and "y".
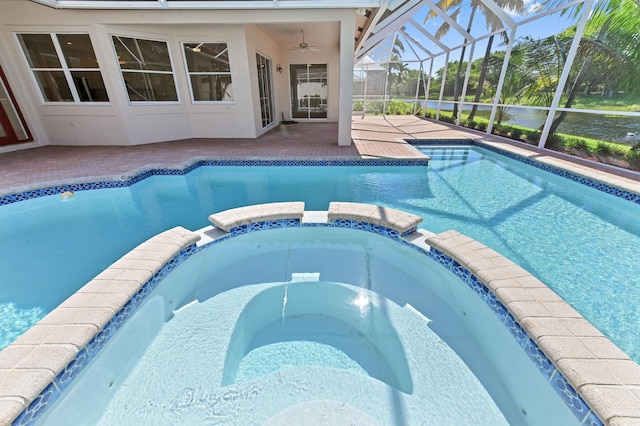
{"x": 259, "y": 42}
{"x": 120, "y": 122}
{"x": 330, "y": 57}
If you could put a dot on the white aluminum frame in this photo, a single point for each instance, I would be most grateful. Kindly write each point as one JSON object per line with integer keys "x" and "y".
{"x": 189, "y": 73}
{"x": 124, "y": 86}
{"x": 64, "y": 67}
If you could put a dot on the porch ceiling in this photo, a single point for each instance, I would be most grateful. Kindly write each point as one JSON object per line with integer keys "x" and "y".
{"x": 288, "y": 35}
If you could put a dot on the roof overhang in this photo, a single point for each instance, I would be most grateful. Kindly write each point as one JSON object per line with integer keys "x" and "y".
{"x": 211, "y": 4}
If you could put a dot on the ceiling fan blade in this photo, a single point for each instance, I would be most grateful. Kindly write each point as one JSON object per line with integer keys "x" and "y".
{"x": 304, "y": 46}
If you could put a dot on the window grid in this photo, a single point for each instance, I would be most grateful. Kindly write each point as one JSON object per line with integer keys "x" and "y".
{"x": 151, "y": 91}
{"x": 197, "y": 94}
{"x": 65, "y": 68}
{"x": 67, "y": 71}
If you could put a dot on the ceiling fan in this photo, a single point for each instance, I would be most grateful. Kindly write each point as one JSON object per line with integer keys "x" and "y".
{"x": 304, "y": 46}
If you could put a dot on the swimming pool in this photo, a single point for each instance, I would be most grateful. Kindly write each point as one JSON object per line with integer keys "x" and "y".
{"x": 325, "y": 321}
{"x": 581, "y": 242}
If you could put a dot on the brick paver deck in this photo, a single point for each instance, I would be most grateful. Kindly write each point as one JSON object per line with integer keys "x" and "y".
{"x": 373, "y": 137}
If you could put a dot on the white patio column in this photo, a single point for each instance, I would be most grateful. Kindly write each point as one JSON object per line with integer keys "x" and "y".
{"x": 347, "y": 32}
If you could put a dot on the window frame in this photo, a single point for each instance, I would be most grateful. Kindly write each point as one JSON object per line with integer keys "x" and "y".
{"x": 266, "y": 86}
{"x": 64, "y": 68}
{"x": 122, "y": 71}
{"x": 190, "y": 73}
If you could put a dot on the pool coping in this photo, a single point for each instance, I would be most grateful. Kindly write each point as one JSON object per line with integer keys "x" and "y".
{"x": 600, "y": 372}
{"x": 597, "y": 381}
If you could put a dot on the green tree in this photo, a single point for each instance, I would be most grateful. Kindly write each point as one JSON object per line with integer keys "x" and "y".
{"x": 543, "y": 62}
{"x": 609, "y": 46}
{"x": 396, "y": 69}
{"x": 492, "y": 21}
{"x": 397, "y": 75}
{"x": 516, "y": 79}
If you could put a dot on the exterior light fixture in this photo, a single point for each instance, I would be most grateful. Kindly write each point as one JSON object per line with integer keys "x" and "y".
{"x": 279, "y": 68}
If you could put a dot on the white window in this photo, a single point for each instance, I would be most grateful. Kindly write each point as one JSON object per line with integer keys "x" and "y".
{"x": 65, "y": 67}
{"x": 209, "y": 71}
{"x": 146, "y": 69}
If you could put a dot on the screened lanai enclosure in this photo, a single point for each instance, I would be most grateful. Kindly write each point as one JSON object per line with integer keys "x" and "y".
{"x": 558, "y": 74}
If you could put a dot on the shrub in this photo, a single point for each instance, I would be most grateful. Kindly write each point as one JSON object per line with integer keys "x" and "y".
{"x": 554, "y": 141}
{"x": 373, "y": 107}
{"x": 515, "y": 133}
{"x": 399, "y": 108}
{"x": 533, "y": 136}
{"x": 470, "y": 124}
{"x": 603, "y": 148}
{"x": 358, "y": 106}
{"x": 618, "y": 150}
{"x": 576, "y": 144}
{"x": 499, "y": 129}
{"x": 447, "y": 119}
{"x": 633, "y": 157}
{"x": 482, "y": 126}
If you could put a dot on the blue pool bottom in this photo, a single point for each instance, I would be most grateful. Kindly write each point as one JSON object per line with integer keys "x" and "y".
{"x": 220, "y": 295}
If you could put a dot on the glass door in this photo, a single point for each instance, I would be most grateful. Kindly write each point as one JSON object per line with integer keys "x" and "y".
{"x": 12, "y": 128}
{"x": 309, "y": 91}
{"x": 265, "y": 86}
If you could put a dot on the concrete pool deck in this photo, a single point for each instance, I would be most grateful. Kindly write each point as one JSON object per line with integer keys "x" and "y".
{"x": 605, "y": 377}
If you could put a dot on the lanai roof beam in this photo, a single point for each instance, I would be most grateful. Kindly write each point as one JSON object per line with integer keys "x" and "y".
{"x": 449, "y": 20}
{"x": 413, "y": 41}
{"x": 429, "y": 35}
{"x": 211, "y": 4}
{"x": 391, "y": 24}
{"x": 371, "y": 25}
{"x": 500, "y": 13}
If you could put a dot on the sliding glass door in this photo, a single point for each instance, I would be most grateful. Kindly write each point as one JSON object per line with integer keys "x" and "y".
{"x": 265, "y": 86}
{"x": 309, "y": 91}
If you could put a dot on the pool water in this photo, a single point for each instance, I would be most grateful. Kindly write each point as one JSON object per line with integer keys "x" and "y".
{"x": 281, "y": 325}
{"x": 581, "y": 242}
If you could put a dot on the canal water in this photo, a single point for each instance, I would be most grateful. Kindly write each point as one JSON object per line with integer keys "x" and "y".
{"x": 605, "y": 127}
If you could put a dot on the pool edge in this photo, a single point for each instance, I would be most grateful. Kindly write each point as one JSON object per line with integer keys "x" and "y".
{"x": 585, "y": 358}
{"x": 43, "y": 378}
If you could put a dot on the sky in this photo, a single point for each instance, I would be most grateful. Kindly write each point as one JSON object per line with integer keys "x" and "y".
{"x": 549, "y": 25}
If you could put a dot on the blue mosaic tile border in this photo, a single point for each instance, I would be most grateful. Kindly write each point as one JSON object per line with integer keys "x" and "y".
{"x": 75, "y": 187}
{"x": 62, "y": 381}
{"x": 600, "y": 186}
{"x": 322, "y": 163}
{"x": 264, "y": 225}
{"x": 556, "y": 380}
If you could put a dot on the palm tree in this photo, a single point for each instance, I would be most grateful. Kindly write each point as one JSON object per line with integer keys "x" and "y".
{"x": 397, "y": 74}
{"x": 542, "y": 63}
{"x": 395, "y": 67}
{"x": 493, "y": 23}
{"x": 515, "y": 81}
{"x": 609, "y": 46}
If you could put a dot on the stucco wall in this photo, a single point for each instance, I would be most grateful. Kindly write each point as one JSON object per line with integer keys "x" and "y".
{"x": 121, "y": 123}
